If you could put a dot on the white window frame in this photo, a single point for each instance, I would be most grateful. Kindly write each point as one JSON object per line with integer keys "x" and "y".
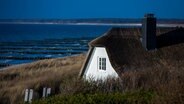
{"x": 102, "y": 63}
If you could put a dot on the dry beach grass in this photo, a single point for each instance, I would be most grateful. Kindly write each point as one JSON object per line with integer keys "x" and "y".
{"x": 50, "y": 72}
{"x": 166, "y": 80}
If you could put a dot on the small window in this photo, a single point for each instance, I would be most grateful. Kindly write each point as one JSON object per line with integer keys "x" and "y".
{"x": 102, "y": 63}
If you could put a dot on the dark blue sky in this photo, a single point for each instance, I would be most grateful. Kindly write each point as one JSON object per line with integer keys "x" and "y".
{"x": 65, "y": 9}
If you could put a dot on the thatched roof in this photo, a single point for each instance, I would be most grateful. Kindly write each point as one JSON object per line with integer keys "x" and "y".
{"x": 125, "y": 50}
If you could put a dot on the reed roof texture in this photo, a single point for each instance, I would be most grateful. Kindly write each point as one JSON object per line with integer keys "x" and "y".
{"x": 125, "y": 50}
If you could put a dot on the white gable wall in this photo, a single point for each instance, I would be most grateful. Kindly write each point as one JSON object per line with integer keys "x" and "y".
{"x": 92, "y": 71}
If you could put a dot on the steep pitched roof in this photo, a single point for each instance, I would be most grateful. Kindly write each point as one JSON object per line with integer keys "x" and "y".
{"x": 125, "y": 50}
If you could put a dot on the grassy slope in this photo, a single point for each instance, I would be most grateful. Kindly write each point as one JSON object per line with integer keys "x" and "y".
{"x": 154, "y": 85}
{"x": 14, "y": 80}
{"x": 164, "y": 80}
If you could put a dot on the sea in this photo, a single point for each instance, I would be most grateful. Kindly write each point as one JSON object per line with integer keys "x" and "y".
{"x": 25, "y": 43}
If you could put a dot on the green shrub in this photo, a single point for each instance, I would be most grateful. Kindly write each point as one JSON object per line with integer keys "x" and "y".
{"x": 140, "y": 97}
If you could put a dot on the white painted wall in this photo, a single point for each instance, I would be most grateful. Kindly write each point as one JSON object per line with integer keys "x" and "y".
{"x": 92, "y": 72}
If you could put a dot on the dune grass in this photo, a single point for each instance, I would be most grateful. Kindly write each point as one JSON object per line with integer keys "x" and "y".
{"x": 36, "y": 75}
{"x": 148, "y": 86}
{"x": 161, "y": 84}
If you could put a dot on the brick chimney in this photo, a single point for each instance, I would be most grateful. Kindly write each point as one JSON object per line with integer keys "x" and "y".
{"x": 149, "y": 32}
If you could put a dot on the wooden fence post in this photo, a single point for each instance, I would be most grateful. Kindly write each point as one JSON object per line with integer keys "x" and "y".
{"x": 48, "y": 92}
{"x": 30, "y": 95}
{"x": 26, "y": 95}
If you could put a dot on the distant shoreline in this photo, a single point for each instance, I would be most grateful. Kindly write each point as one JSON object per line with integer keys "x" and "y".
{"x": 25, "y": 64}
{"x": 97, "y": 24}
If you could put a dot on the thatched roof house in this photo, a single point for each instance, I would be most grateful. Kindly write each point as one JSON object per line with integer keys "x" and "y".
{"x": 120, "y": 49}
